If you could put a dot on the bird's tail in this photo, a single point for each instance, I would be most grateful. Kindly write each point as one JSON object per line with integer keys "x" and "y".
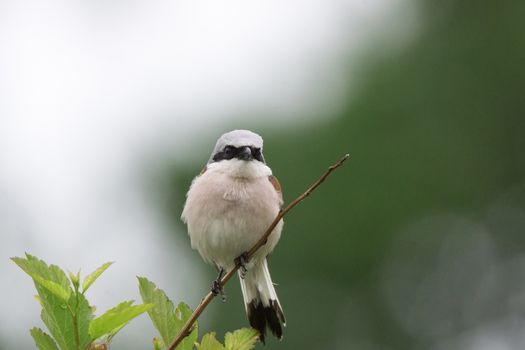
{"x": 261, "y": 302}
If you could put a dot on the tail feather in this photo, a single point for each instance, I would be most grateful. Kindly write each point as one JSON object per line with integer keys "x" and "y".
{"x": 262, "y": 305}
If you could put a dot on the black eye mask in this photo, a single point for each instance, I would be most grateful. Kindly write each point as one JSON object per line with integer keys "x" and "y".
{"x": 230, "y": 152}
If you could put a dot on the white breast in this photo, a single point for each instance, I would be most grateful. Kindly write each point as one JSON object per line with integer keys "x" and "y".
{"x": 228, "y": 208}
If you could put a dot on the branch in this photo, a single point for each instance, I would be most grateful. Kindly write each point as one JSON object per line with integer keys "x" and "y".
{"x": 186, "y": 330}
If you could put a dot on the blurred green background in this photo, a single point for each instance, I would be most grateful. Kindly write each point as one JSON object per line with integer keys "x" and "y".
{"x": 417, "y": 242}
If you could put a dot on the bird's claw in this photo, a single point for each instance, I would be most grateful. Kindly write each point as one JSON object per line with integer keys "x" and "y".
{"x": 241, "y": 262}
{"x": 217, "y": 288}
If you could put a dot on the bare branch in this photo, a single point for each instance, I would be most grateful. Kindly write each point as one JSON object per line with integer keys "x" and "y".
{"x": 186, "y": 330}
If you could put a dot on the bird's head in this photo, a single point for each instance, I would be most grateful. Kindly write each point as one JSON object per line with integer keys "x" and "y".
{"x": 240, "y": 145}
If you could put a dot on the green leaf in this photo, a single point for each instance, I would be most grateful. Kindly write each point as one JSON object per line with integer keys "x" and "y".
{"x": 163, "y": 313}
{"x": 84, "y": 318}
{"x": 53, "y": 287}
{"x": 241, "y": 339}
{"x": 209, "y": 342}
{"x": 59, "y": 323}
{"x": 115, "y": 318}
{"x": 51, "y": 277}
{"x": 166, "y": 319}
{"x": 182, "y": 315}
{"x": 51, "y": 272}
{"x": 58, "y": 302}
{"x": 111, "y": 334}
{"x": 58, "y": 319}
{"x": 75, "y": 279}
{"x": 88, "y": 281}
{"x": 43, "y": 340}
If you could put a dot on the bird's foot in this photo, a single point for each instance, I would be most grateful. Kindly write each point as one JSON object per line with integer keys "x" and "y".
{"x": 217, "y": 287}
{"x": 241, "y": 262}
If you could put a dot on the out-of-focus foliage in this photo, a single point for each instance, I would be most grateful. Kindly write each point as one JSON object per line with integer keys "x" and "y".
{"x": 169, "y": 321}
{"x": 67, "y": 313}
{"x": 418, "y": 241}
{"x": 70, "y": 320}
{"x": 241, "y": 339}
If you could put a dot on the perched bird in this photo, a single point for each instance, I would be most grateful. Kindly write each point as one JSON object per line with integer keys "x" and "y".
{"x": 229, "y": 206}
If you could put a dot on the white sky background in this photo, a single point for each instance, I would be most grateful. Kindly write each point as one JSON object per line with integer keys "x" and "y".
{"x": 87, "y": 88}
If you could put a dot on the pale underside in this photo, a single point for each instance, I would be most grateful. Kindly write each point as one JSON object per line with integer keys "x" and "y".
{"x": 228, "y": 208}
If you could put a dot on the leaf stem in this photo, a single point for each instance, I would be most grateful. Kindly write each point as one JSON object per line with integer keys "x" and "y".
{"x": 75, "y": 323}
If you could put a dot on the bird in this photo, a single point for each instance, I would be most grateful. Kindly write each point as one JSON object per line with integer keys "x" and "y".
{"x": 229, "y": 206}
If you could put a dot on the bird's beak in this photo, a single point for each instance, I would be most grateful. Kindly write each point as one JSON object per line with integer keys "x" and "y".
{"x": 245, "y": 154}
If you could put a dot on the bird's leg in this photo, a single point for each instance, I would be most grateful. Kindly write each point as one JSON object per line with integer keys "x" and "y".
{"x": 241, "y": 262}
{"x": 216, "y": 286}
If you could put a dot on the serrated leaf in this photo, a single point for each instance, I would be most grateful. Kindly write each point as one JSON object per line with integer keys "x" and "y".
{"x": 115, "y": 318}
{"x": 209, "y": 342}
{"x": 84, "y": 318}
{"x": 183, "y": 313}
{"x": 166, "y": 319}
{"x": 241, "y": 339}
{"x": 88, "y": 281}
{"x": 59, "y": 324}
{"x": 51, "y": 277}
{"x": 51, "y": 272}
{"x": 58, "y": 319}
{"x": 163, "y": 313}
{"x": 43, "y": 340}
{"x": 53, "y": 289}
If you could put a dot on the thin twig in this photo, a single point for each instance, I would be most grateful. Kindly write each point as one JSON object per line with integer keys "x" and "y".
{"x": 186, "y": 330}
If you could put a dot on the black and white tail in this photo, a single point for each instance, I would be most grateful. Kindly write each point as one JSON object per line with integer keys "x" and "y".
{"x": 262, "y": 305}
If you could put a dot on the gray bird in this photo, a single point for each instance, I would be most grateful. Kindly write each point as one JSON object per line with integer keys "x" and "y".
{"x": 229, "y": 206}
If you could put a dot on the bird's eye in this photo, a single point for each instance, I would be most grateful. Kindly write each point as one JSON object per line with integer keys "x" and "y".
{"x": 229, "y": 152}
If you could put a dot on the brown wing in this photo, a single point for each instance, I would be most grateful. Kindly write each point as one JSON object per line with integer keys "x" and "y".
{"x": 275, "y": 183}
